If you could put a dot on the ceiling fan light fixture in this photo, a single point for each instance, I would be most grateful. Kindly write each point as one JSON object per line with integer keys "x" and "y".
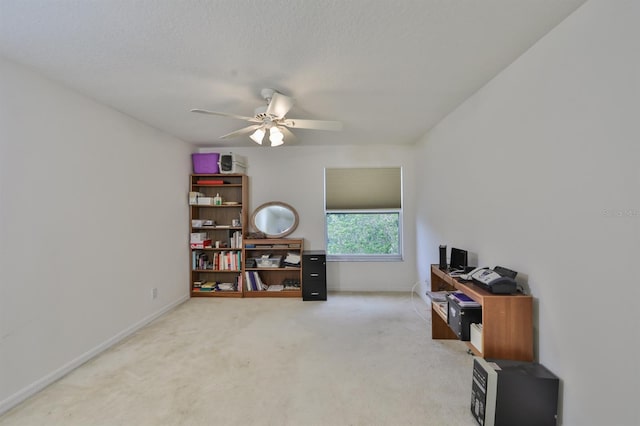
{"x": 276, "y": 137}
{"x": 272, "y": 118}
{"x": 258, "y": 136}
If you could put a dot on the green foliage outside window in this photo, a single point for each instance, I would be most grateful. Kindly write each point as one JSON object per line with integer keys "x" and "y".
{"x": 363, "y": 233}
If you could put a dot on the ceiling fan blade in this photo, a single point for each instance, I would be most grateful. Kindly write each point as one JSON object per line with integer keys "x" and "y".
{"x": 241, "y": 132}
{"x": 224, "y": 114}
{"x": 288, "y": 135}
{"x": 279, "y": 105}
{"x": 312, "y": 124}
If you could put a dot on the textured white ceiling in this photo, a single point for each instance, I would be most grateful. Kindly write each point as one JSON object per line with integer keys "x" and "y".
{"x": 388, "y": 69}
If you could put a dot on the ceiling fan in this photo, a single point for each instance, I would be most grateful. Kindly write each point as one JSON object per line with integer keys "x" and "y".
{"x": 272, "y": 118}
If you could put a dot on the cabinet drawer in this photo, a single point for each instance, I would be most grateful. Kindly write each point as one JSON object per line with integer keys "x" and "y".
{"x": 314, "y": 290}
{"x": 314, "y": 258}
{"x": 315, "y": 264}
{"x": 313, "y": 275}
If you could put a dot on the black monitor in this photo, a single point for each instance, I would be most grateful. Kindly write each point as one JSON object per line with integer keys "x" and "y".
{"x": 458, "y": 260}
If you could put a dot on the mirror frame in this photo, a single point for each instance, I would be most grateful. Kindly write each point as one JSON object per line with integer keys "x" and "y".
{"x": 279, "y": 204}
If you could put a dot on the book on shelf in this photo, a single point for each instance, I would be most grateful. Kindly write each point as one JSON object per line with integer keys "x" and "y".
{"x": 193, "y": 197}
{"x": 256, "y": 284}
{"x": 253, "y": 281}
{"x": 261, "y": 285}
{"x": 226, "y": 260}
{"x": 248, "y": 280}
{"x": 209, "y": 182}
{"x": 437, "y": 296}
{"x": 235, "y": 240}
{"x": 200, "y": 245}
{"x": 275, "y": 287}
{"x": 292, "y": 259}
{"x": 208, "y": 286}
{"x": 442, "y": 308}
{"x": 218, "y": 261}
{"x": 211, "y": 286}
{"x": 463, "y": 300}
{"x": 201, "y": 260}
{"x": 226, "y": 287}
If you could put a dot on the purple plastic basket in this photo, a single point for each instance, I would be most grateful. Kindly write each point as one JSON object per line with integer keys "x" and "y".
{"x": 205, "y": 163}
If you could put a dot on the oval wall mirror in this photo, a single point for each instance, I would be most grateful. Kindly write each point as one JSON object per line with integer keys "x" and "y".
{"x": 275, "y": 219}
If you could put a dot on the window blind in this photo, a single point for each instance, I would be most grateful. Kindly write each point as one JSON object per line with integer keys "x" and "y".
{"x": 363, "y": 188}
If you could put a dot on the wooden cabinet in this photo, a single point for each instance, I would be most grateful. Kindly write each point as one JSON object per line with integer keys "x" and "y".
{"x": 507, "y": 320}
{"x": 277, "y": 262}
{"x": 216, "y": 263}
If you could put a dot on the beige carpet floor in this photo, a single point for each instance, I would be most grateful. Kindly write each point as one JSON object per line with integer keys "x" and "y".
{"x": 357, "y": 359}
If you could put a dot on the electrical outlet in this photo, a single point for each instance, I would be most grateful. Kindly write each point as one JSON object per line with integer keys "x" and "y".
{"x": 154, "y": 293}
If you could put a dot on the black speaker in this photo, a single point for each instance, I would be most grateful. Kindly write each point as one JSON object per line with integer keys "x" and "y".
{"x": 443, "y": 257}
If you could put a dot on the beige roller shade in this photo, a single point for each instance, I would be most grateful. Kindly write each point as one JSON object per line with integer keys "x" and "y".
{"x": 363, "y": 188}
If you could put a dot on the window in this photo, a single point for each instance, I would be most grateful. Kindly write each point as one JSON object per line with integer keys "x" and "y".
{"x": 363, "y": 214}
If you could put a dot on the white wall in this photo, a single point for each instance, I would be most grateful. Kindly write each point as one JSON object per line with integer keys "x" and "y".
{"x": 295, "y": 175}
{"x": 539, "y": 172}
{"x": 91, "y": 204}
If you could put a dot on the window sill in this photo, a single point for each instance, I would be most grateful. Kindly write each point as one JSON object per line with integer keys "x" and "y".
{"x": 363, "y": 258}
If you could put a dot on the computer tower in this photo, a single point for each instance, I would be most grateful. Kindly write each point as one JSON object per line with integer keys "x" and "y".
{"x": 443, "y": 257}
{"x": 507, "y": 393}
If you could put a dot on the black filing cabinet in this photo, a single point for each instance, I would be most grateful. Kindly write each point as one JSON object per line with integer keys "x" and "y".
{"x": 314, "y": 275}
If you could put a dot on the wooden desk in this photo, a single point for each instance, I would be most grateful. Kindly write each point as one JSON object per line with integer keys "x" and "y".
{"x": 507, "y": 320}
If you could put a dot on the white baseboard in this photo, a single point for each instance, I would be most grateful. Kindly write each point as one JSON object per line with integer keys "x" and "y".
{"x": 38, "y": 385}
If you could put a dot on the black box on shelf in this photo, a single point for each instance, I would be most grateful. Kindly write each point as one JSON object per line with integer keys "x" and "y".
{"x": 460, "y": 318}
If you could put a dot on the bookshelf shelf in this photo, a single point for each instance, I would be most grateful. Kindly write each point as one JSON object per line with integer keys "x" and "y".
{"x": 227, "y": 249}
{"x": 217, "y": 185}
{"x": 272, "y": 269}
{"x": 204, "y": 228}
{"x": 229, "y": 206}
{"x": 197, "y": 293}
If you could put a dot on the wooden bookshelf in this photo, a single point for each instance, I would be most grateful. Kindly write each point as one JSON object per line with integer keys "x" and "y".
{"x": 234, "y": 193}
{"x": 274, "y": 275}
